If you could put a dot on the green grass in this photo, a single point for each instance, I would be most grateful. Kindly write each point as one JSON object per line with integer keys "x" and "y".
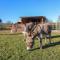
{"x": 13, "y": 47}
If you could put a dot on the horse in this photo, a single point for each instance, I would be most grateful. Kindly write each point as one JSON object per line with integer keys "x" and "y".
{"x": 28, "y": 37}
{"x": 40, "y": 30}
{"x": 37, "y": 30}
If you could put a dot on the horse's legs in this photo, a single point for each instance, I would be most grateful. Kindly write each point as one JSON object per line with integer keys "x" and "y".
{"x": 32, "y": 43}
{"x": 49, "y": 37}
{"x": 40, "y": 40}
{"x": 41, "y": 43}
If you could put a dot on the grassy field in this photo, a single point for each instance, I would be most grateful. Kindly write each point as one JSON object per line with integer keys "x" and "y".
{"x": 13, "y": 47}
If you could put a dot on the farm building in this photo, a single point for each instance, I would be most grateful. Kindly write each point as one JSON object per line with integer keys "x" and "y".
{"x": 25, "y": 20}
{"x": 38, "y": 19}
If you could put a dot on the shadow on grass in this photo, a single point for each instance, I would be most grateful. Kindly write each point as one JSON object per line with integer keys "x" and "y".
{"x": 51, "y": 45}
{"x": 48, "y": 45}
{"x": 56, "y": 36}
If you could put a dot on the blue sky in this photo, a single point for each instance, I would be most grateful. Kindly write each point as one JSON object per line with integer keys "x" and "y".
{"x": 11, "y": 10}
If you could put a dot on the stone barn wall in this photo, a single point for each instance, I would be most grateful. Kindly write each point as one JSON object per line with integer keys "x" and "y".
{"x": 25, "y": 20}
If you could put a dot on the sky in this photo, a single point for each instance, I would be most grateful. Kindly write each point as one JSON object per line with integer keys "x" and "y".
{"x": 11, "y": 10}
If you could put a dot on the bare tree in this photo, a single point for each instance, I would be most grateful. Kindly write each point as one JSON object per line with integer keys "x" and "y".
{"x": 0, "y": 20}
{"x": 58, "y": 23}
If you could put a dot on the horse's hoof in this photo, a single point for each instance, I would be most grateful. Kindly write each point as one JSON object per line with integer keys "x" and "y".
{"x": 41, "y": 47}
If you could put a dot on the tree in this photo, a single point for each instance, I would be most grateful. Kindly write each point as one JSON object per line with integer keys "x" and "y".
{"x": 0, "y": 24}
{"x": 58, "y": 23}
{"x": 9, "y": 22}
{"x": 58, "y": 19}
{"x": 0, "y": 20}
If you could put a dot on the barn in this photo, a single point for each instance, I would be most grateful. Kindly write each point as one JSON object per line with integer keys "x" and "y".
{"x": 25, "y": 20}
